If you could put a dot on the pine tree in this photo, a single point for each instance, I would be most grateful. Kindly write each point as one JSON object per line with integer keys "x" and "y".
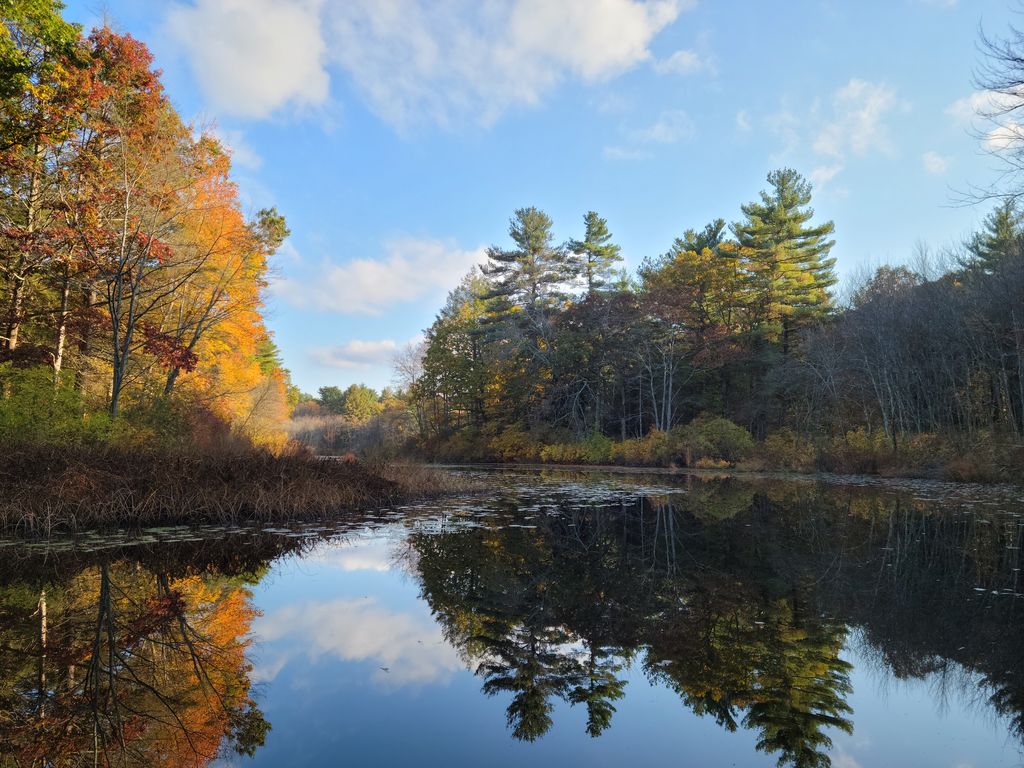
{"x": 790, "y": 271}
{"x": 712, "y": 236}
{"x": 530, "y": 275}
{"x": 596, "y": 253}
{"x": 999, "y": 238}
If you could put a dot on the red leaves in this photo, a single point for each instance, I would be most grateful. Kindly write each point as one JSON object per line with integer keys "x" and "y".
{"x": 38, "y": 245}
{"x": 169, "y": 351}
{"x": 123, "y": 77}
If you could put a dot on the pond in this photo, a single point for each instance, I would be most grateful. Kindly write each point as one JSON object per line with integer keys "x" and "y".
{"x": 561, "y": 618}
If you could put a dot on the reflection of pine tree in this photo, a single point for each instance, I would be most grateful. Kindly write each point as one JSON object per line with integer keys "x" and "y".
{"x": 598, "y": 687}
{"x": 525, "y": 661}
{"x": 706, "y": 593}
{"x": 801, "y": 692}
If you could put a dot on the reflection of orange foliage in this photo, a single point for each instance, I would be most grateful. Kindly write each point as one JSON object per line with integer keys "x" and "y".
{"x": 220, "y": 617}
{"x": 166, "y": 684}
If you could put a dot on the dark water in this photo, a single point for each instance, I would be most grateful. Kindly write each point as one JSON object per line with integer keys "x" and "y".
{"x": 562, "y": 619}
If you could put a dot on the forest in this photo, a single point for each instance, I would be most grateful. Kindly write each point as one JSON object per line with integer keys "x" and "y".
{"x": 138, "y": 380}
{"x": 130, "y": 279}
{"x": 732, "y": 346}
{"x": 132, "y": 284}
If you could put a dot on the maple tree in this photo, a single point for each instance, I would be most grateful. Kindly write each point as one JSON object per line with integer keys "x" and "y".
{"x": 126, "y": 263}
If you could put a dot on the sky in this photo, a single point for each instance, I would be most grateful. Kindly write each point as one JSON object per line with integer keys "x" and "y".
{"x": 398, "y": 136}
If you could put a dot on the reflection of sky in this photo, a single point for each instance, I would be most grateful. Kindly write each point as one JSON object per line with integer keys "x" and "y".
{"x": 353, "y": 670}
{"x": 407, "y": 648}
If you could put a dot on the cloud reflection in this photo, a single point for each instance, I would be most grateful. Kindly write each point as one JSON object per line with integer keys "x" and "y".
{"x": 405, "y": 648}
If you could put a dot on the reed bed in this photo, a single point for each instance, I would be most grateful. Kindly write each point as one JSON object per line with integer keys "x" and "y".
{"x": 47, "y": 489}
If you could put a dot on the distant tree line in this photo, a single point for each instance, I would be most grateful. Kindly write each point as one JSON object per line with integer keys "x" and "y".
{"x": 550, "y": 343}
{"x": 354, "y": 419}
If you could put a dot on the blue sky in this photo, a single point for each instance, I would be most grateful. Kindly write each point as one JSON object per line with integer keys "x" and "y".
{"x": 397, "y": 136}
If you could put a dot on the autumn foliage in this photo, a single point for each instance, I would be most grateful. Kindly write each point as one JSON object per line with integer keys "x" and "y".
{"x": 127, "y": 266}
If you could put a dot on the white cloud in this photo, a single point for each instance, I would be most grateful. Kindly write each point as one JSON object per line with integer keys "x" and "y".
{"x": 410, "y": 269}
{"x": 624, "y": 153}
{"x": 1004, "y": 137}
{"x": 242, "y": 154}
{"x": 935, "y": 163}
{"x": 671, "y": 126}
{"x": 995, "y": 109}
{"x": 252, "y": 57}
{"x": 853, "y": 123}
{"x": 823, "y": 174}
{"x": 682, "y": 62}
{"x": 982, "y": 104}
{"x": 743, "y": 122}
{"x": 414, "y": 60}
{"x": 843, "y": 759}
{"x": 358, "y": 354}
{"x": 857, "y": 124}
{"x": 412, "y": 649}
{"x": 373, "y": 554}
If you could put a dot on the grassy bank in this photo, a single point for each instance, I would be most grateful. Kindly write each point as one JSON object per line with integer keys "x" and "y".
{"x": 717, "y": 443}
{"x": 47, "y": 488}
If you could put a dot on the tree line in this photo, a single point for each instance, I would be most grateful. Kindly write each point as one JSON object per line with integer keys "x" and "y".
{"x": 130, "y": 277}
{"x": 735, "y": 327}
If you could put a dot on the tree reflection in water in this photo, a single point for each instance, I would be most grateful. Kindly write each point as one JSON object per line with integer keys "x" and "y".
{"x": 128, "y": 661}
{"x": 737, "y": 596}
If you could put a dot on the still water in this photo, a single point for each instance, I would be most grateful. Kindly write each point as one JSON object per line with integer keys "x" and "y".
{"x": 559, "y": 619}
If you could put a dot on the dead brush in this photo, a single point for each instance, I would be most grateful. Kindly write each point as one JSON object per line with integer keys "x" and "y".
{"x": 44, "y": 488}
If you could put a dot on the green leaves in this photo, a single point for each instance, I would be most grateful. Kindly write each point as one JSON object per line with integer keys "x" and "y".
{"x": 33, "y": 36}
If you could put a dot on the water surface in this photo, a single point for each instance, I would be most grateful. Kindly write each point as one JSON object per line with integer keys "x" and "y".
{"x": 561, "y": 618}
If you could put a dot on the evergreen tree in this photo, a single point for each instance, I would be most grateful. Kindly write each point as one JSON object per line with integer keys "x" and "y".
{"x": 596, "y": 253}
{"x": 332, "y": 399}
{"x": 790, "y": 271}
{"x": 712, "y": 236}
{"x": 530, "y": 275}
{"x": 999, "y": 238}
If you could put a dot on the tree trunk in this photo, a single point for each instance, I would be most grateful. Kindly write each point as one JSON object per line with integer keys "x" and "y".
{"x": 85, "y": 342}
{"x": 62, "y": 325}
{"x": 42, "y": 653}
{"x": 19, "y": 276}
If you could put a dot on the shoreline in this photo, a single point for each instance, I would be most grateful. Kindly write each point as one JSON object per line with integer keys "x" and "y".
{"x": 832, "y": 478}
{"x": 46, "y": 490}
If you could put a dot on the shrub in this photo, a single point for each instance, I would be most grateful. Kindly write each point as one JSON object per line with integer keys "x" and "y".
{"x": 466, "y": 445}
{"x": 923, "y": 454}
{"x": 785, "y": 449}
{"x": 514, "y": 445}
{"x": 595, "y": 449}
{"x": 650, "y": 451}
{"x": 858, "y": 451}
{"x": 712, "y": 437}
{"x": 35, "y": 410}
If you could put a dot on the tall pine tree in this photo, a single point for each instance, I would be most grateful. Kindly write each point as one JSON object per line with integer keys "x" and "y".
{"x": 531, "y": 275}
{"x": 999, "y": 238}
{"x": 596, "y": 252}
{"x": 790, "y": 271}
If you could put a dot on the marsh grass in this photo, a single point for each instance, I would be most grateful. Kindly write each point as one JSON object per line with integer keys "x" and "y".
{"x": 46, "y": 489}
